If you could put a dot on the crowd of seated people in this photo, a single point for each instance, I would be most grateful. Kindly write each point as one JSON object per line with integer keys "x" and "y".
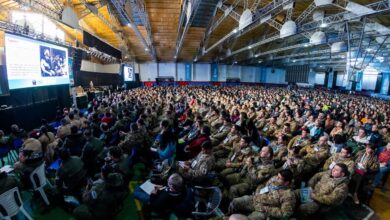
{"x": 273, "y": 152}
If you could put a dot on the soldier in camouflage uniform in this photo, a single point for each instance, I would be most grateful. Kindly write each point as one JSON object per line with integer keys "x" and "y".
{"x": 120, "y": 124}
{"x": 223, "y": 149}
{"x": 235, "y": 160}
{"x": 196, "y": 170}
{"x": 285, "y": 130}
{"x": 269, "y": 128}
{"x": 222, "y": 132}
{"x": 274, "y": 199}
{"x": 256, "y": 170}
{"x": 215, "y": 124}
{"x": 260, "y": 120}
{"x": 294, "y": 162}
{"x": 280, "y": 149}
{"x": 315, "y": 154}
{"x": 212, "y": 115}
{"x": 345, "y": 157}
{"x": 133, "y": 139}
{"x": 329, "y": 189}
{"x": 102, "y": 199}
{"x": 300, "y": 140}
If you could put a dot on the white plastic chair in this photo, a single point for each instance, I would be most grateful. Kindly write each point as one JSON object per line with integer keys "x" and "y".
{"x": 10, "y": 202}
{"x": 211, "y": 203}
{"x": 39, "y": 181}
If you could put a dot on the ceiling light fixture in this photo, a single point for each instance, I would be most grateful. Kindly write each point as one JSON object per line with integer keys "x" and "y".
{"x": 323, "y": 25}
{"x": 235, "y": 30}
{"x": 146, "y": 49}
{"x": 306, "y": 45}
{"x": 249, "y": 47}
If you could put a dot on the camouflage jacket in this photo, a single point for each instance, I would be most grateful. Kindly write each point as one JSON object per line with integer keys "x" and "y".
{"x": 200, "y": 166}
{"x": 328, "y": 190}
{"x": 298, "y": 141}
{"x": 260, "y": 123}
{"x": 278, "y": 202}
{"x": 259, "y": 172}
{"x": 313, "y": 155}
{"x": 216, "y": 124}
{"x": 280, "y": 151}
{"x": 237, "y": 157}
{"x": 132, "y": 139}
{"x": 230, "y": 140}
{"x": 269, "y": 129}
{"x": 336, "y": 158}
{"x": 221, "y": 133}
{"x": 371, "y": 165}
{"x": 295, "y": 164}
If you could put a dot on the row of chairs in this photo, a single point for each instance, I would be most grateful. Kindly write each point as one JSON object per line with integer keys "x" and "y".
{"x": 11, "y": 202}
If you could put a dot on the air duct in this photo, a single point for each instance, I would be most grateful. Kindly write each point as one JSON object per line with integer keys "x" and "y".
{"x": 318, "y": 37}
{"x": 338, "y": 47}
{"x": 289, "y": 28}
{"x": 245, "y": 19}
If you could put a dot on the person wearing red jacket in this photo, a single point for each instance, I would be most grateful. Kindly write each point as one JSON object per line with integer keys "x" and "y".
{"x": 193, "y": 149}
{"x": 107, "y": 118}
{"x": 384, "y": 164}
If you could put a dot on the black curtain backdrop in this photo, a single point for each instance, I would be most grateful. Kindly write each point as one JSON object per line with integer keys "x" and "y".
{"x": 28, "y": 106}
{"x": 99, "y": 79}
{"x": 297, "y": 74}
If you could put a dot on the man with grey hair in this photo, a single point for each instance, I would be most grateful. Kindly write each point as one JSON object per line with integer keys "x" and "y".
{"x": 314, "y": 155}
{"x": 238, "y": 217}
{"x": 164, "y": 199}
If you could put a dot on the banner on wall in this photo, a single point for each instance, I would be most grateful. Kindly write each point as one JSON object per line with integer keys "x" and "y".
{"x": 214, "y": 72}
{"x": 330, "y": 79}
{"x": 385, "y": 83}
{"x": 359, "y": 81}
{"x": 70, "y": 69}
{"x": 187, "y": 72}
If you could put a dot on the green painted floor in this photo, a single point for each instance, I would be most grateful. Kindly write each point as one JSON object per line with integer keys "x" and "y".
{"x": 128, "y": 212}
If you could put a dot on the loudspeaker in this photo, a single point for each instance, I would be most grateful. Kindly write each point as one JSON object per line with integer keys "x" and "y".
{"x": 378, "y": 84}
{"x": 77, "y": 57}
{"x": 70, "y": 18}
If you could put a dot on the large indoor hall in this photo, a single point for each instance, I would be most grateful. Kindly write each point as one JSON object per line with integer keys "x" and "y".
{"x": 194, "y": 109}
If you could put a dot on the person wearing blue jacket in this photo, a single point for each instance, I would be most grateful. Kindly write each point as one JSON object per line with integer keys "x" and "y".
{"x": 165, "y": 145}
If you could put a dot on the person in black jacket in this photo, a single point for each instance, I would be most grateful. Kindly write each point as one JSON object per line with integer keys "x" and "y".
{"x": 102, "y": 199}
{"x": 75, "y": 141}
{"x": 92, "y": 152}
{"x": 164, "y": 200}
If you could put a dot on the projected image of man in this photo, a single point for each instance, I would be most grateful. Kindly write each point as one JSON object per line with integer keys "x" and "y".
{"x": 130, "y": 73}
{"x": 46, "y": 62}
{"x": 58, "y": 63}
